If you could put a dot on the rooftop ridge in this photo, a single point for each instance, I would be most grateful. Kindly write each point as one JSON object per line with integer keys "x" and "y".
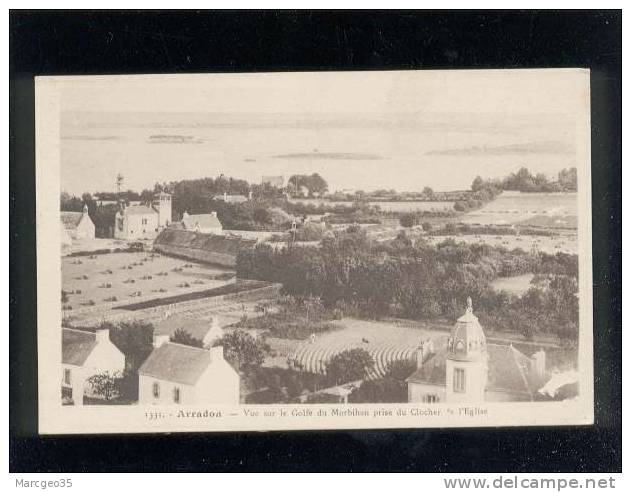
{"x": 187, "y": 346}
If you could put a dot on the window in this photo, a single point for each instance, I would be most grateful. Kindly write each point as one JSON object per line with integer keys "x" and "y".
{"x": 67, "y": 376}
{"x": 459, "y": 381}
{"x": 144, "y": 221}
{"x": 430, "y": 399}
{"x": 176, "y": 395}
{"x": 156, "y": 390}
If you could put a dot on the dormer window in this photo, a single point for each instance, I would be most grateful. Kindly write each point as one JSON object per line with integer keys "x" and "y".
{"x": 460, "y": 347}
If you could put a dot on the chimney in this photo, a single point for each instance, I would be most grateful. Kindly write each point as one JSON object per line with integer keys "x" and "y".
{"x": 102, "y": 335}
{"x": 538, "y": 366}
{"x": 225, "y": 196}
{"x": 159, "y": 340}
{"x": 213, "y": 213}
{"x": 85, "y": 208}
{"x": 250, "y": 195}
{"x": 185, "y": 215}
{"x": 420, "y": 356}
{"x": 216, "y": 353}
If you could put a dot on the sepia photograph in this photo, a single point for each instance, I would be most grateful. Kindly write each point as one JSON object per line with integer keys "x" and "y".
{"x": 314, "y": 250}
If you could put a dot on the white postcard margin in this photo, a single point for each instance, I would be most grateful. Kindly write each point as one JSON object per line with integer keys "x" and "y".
{"x": 54, "y": 418}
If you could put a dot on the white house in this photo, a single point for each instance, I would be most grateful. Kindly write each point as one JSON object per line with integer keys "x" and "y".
{"x": 233, "y": 198}
{"x": 85, "y": 354}
{"x": 276, "y": 181}
{"x": 176, "y": 374}
{"x": 470, "y": 370}
{"x": 65, "y": 239}
{"x": 205, "y": 223}
{"x": 141, "y": 221}
{"x": 205, "y": 330}
{"x": 78, "y": 225}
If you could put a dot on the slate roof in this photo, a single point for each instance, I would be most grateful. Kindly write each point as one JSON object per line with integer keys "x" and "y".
{"x": 71, "y": 220}
{"x": 204, "y": 221}
{"x": 508, "y": 370}
{"x": 76, "y": 346}
{"x": 140, "y": 210}
{"x": 176, "y": 363}
{"x": 206, "y": 242}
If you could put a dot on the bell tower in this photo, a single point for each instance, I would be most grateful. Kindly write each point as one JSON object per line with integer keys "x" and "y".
{"x": 467, "y": 361}
{"x": 162, "y": 204}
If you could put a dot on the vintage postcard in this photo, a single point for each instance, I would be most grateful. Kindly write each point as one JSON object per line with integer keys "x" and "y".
{"x": 289, "y": 251}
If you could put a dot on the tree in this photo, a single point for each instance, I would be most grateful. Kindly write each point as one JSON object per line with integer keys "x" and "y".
{"x": 427, "y": 227}
{"x": 314, "y": 183}
{"x": 105, "y": 385}
{"x": 350, "y": 365}
{"x": 408, "y": 220}
{"x": 401, "y": 369}
{"x": 242, "y": 349}
{"x": 384, "y": 390}
{"x": 428, "y": 192}
{"x": 567, "y": 179}
{"x": 317, "y": 184}
{"x": 262, "y": 215}
{"x": 134, "y": 339}
{"x": 183, "y": 337}
{"x": 478, "y": 184}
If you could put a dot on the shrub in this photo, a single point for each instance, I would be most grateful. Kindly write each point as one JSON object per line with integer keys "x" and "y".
{"x": 183, "y": 337}
{"x": 349, "y": 365}
{"x": 408, "y": 220}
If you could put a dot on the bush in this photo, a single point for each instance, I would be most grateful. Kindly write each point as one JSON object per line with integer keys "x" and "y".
{"x": 183, "y": 337}
{"x": 242, "y": 349}
{"x": 349, "y": 365}
{"x": 408, "y": 220}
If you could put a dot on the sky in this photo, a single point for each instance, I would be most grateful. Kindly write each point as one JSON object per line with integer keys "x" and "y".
{"x": 360, "y": 130}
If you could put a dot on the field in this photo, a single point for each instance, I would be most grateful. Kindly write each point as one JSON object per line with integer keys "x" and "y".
{"x": 554, "y": 210}
{"x": 399, "y": 206}
{"x": 517, "y": 285}
{"x": 385, "y": 341}
{"x": 116, "y": 277}
{"x": 565, "y": 243}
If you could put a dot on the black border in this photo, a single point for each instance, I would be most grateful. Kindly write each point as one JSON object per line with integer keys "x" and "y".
{"x": 100, "y": 42}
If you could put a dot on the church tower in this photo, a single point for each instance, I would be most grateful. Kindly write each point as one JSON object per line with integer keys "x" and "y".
{"x": 162, "y": 204}
{"x": 467, "y": 361}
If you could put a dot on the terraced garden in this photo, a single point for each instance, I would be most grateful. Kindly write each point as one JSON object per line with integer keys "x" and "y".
{"x": 385, "y": 341}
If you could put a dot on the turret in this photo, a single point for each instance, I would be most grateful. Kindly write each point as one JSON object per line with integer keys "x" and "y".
{"x": 162, "y": 204}
{"x": 467, "y": 361}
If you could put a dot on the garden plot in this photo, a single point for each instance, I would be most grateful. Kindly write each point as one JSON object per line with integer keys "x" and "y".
{"x": 385, "y": 341}
{"x": 119, "y": 277}
{"x": 563, "y": 243}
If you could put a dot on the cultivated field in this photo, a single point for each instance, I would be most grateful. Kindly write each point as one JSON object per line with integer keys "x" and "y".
{"x": 385, "y": 341}
{"x": 116, "y": 277}
{"x": 553, "y": 210}
{"x": 565, "y": 243}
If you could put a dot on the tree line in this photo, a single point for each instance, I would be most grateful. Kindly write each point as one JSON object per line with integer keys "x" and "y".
{"x": 524, "y": 181}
